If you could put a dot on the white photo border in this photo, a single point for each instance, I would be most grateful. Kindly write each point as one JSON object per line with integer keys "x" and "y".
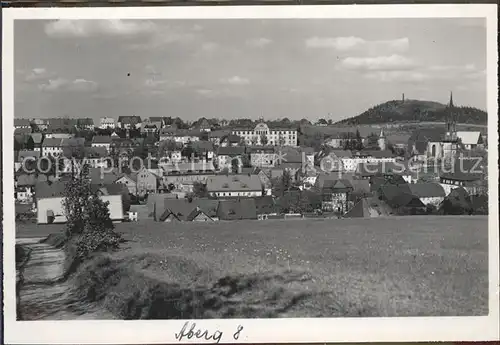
{"x": 303, "y": 330}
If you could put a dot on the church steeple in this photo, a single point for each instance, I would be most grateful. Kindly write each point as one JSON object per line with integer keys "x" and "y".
{"x": 451, "y": 120}
{"x": 450, "y": 105}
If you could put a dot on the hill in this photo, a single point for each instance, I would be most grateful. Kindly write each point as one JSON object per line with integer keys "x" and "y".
{"x": 414, "y": 111}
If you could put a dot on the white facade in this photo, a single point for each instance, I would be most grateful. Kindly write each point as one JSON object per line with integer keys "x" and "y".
{"x": 107, "y": 146}
{"x": 351, "y": 163}
{"x": 56, "y": 208}
{"x": 54, "y": 151}
{"x": 243, "y": 193}
{"x": 279, "y": 136}
{"x": 436, "y": 200}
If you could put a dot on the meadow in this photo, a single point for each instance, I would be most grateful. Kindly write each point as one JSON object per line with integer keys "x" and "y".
{"x": 398, "y": 266}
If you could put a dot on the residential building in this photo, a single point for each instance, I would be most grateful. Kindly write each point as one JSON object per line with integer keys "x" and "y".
{"x": 22, "y": 124}
{"x": 129, "y": 181}
{"x": 129, "y": 122}
{"x": 41, "y": 124}
{"x": 25, "y": 188}
{"x": 335, "y": 195}
{"x": 22, "y": 131}
{"x": 102, "y": 141}
{"x": 196, "y": 210}
{"x": 429, "y": 193}
{"x": 230, "y": 140}
{"x": 50, "y": 208}
{"x": 85, "y": 124}
{"x": 225, "y": 155}
{"x": 204, "y": 126}
{"x": 107, "y": 123}
{"x": 52, "y": 147}
{"x": 181, "y": 136}
{"x": 262, "y": 157}
{"x": 234, "y": 186}
{"x": 147, "y": 182}
{"x": 61, "y": 125}
{"x": 52, "y": 135}
{"x": 95, "y": 157}
{"x": 203, "y": 150}
{"x": 350, "y": 164}
{"x": 400, "y": 199}
{"x": 215, "y": 137}
{"x": 471, "y": 139}
{"x": 286, "y": 136}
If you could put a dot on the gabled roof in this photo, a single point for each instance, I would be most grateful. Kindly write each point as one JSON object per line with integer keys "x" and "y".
{"x": 421, "y": 137}
{"x": 469, "y": 137}
{"x": 26, "y": 180}
{"x": 95, "y": 152}
{"x": 459, "y": 197}
{"x": 427, "y": 190}
{"x": 21, "y": 122}
{"x": 52, "y": 142}
{"x": 237, "y": 209}
{"x": 337, "y": 186}
{"x": 233, "y": 183}
{"x": 37, "y": 138}
{"x": 73, "y": 142}
{"x": 109, "y": 188}
{"x": 231, "y": 138}
{"x": 231, "y": 150}
{"x": 399, "y": 196}
{"x": 180, "y": 208}
{"x": 129, "y": 119}
{"x": 46, "y": 190}
{"x": 22, "y": 131}
{"x": 25, "y": 154}
{"x": 101, "y": 139}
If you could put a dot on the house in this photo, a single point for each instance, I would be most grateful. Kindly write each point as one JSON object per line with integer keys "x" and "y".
{"x": 185, "y": 210}
{"x": 234, "y": 186}
{"x": 27, "y": 154}
{"x": 261, "y": 134}
{"x": 50, "y": 209}
{"x": 364, "y": 208}
{"x": 470, "y": 139}
{"x": 152, "y": 125}
{"x": 95, "y": 157}
{"x": 203, "y": 150}
{"x": 265, "y": 181}
{"x": 367, "y": 170}
{"x": 429, "y": 193}
{"x": 181, "y": 136}
{"x": 22, "y": 124}
{"x": 37, "y": 141}
{"x": 367, "y": 156}
{"x": 107, "y": 123}
{"x": 401, "y": 199}
{"x": 129, "y": 181}
{"x": 216, "y": 136}
{"x": 463, "y": 173}
{"x": 55, "y": 135}
{"x": 193, "y": 167}
{"x": 22, "y": 131}
{"x": 380, "y": 180}
{"x": 85, "y": 124}
{"x": 204, "y": 126}
{"x": 129, "y": 122}
{"x": 25, "y": 188}
{"x": 225, "y": 155}
{"x": 237, "y": 209}
{"x": 102, "y": 141}
{"x": 61, "y": 125}
{"x": 52, "y": 147}
{"x": 147, "y": 181}
{"x": 230, "y": 140}
{"x": 335, "y": 195}
{"x": 262, "y": 156}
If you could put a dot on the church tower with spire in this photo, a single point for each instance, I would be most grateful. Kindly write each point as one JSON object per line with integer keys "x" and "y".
{"x": 382, "y": 142}
{"x": 451, "y": 121}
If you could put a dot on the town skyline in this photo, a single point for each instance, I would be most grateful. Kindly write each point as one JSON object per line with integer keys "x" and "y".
{"x": 332, "y": 69}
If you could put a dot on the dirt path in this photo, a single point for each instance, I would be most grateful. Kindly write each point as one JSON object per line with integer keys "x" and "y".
{"x": 42, "y": 298}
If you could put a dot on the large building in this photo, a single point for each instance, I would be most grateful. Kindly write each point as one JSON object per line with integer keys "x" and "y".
{"x": 107, "y": 122}
{"x": 263, "y": 135}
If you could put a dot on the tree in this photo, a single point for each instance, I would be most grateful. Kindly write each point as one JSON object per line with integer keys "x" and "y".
{"x": 235, "y": 165}
{"x": 330, "y": 122}
{"x": 76, "y": 196}
{"x": 359, "y": 141}
{"x": 263, "y": 139}
{"x": 200, "y": 190}
{"x": 322, "y": 122}
{"x": 281, "y": 140}
{"x": 255, "y": 139}
{"x": 282, "y": 183}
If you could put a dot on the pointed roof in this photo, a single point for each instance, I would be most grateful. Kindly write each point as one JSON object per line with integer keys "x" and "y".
{"x": 451, "y": 100}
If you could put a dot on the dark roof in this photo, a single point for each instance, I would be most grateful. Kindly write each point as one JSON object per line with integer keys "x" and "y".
{"x": 46, "y": 190}
{"x": 337, "y": 186}
{"x": 399, "y": 196}
{"x": 379, "y": 180}
{"x": 52, "y": 142}
{"x": 231, "y": 138}
{"x": 219, "y": 133}
{"x": 25, "y": 154}
{"x": 463, "y": 170}
{"x": 129, "y": 119}
{"x": 459, "y": 197}
{"x": 231, "y": 150}
{"x": 421, "y": 137}
{"x": 110, "y": 188}
{"x": 231, "y": 183}
{"x": 372, "y": 169}
{"x": 427, "y": 190}
{"x": 180, "y": 208}
{"x": 37, "y": 138}
{"x": 21, "y": 122}
{"x": 202, "y": 146}
{"x": 95, "y": 152}
{"x": 22, "y": 130}
{"x": 73, "y": 142}
{"x": 237, "y": 209}
{"x": 101, "y": 139}
{"x": 85, "y": 122}
{"x": 26, "y": 180}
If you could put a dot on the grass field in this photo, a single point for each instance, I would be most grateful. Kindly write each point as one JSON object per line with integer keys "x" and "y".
{"x": 407, "y": 266}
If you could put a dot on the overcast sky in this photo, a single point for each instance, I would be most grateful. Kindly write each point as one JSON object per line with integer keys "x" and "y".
{"x": 244, "y": 68}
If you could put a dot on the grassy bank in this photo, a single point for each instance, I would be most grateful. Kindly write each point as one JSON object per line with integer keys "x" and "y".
{"x": 433, "y": 266}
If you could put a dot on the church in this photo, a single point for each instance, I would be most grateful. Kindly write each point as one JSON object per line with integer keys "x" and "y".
{"x": 438, "y": 143}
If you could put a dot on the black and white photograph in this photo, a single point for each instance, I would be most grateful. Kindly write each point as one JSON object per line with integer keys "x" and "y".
{"x": 250, "y": 174}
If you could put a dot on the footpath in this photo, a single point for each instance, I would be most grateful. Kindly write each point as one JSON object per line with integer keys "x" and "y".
{"x": 42, "y": 295}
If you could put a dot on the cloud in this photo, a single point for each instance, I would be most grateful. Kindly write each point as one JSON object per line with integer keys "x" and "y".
{"x": 429, "y": 73}
{"x": 36, "y": 74}
{"x": 235, "y": 80}
{"x": 162, "y": 39}
{"x": 258, "y": 42}
{"x": 91, "y": 28}
{"x": 61, "y": 84}
{"x": 209, "y": 46}
{"x": 379, "y": 63}
{"x": 352, "y": 43}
